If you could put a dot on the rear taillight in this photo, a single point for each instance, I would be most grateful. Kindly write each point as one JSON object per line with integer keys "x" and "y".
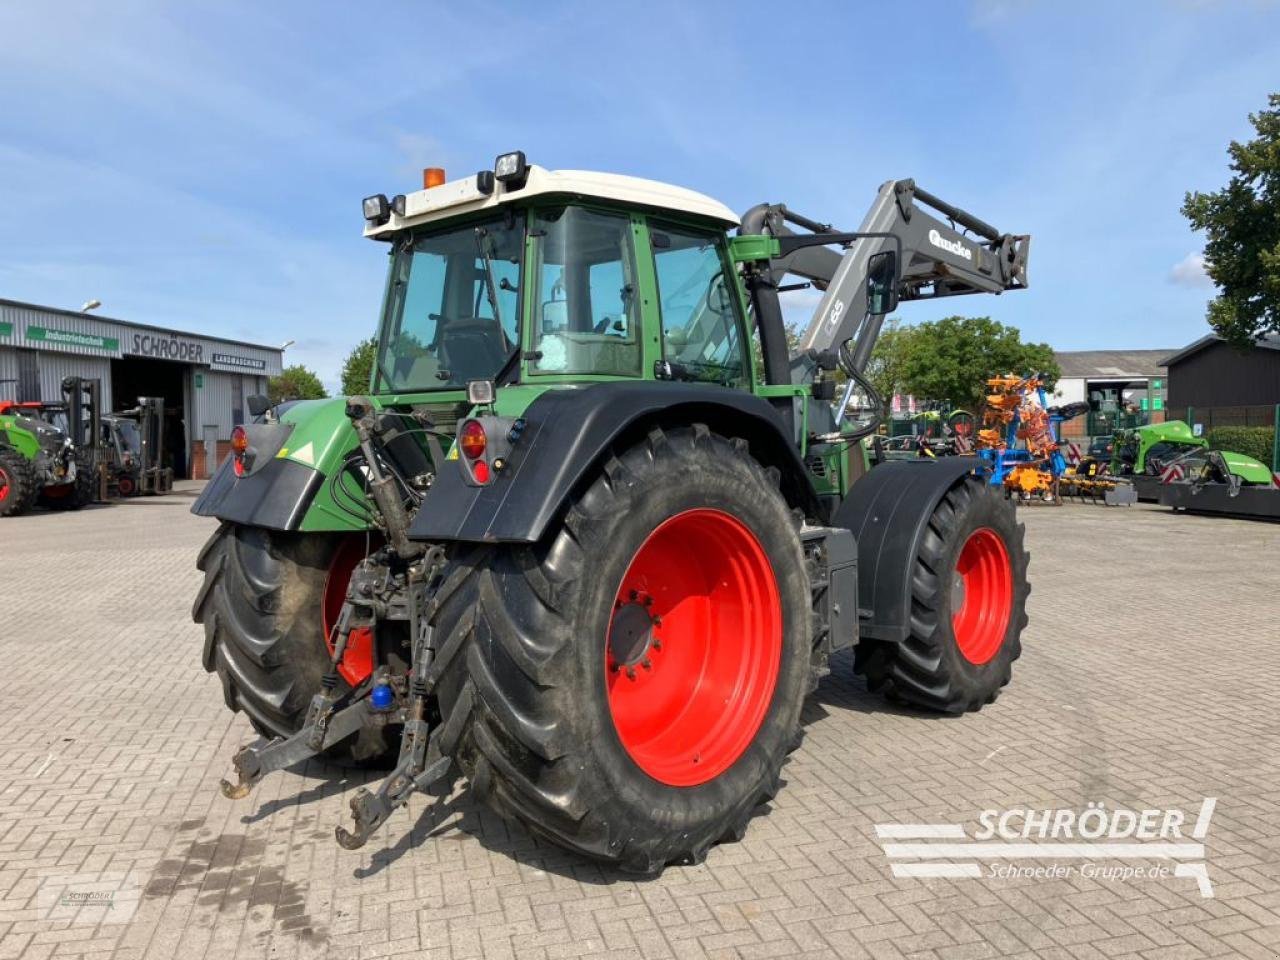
{"x": 239, "y": 447}
{"x": 472, "y": 439}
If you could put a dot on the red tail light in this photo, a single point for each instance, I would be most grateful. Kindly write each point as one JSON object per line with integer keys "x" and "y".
{"x": 239, "y": 445}
{"x": 472, "y": 440}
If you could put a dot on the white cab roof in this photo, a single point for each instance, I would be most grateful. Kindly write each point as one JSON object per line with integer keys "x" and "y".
{"x": 463, "y": 196}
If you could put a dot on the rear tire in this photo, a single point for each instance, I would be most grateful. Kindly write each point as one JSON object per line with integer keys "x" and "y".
{"x": 968, "y": 607}
{"x": 17, "y": 483}
{"x": 262, "y": 609}
{"x": 527, "y": 637}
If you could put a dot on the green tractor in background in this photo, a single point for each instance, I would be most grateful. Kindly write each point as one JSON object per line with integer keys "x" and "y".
{"x": 41, "y": 461}
{"x": 578, "y": 543}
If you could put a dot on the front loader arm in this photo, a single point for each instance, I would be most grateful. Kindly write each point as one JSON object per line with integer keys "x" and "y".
{"x": 944, "y": 253}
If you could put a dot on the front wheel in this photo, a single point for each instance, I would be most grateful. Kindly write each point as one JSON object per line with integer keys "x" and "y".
{"x": 17, "y": 483}
{"x": 968, "y": 606}
{"x": 630, "y": 687}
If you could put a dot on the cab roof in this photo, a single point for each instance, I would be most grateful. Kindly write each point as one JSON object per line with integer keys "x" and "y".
{"x": 457, "y": 197}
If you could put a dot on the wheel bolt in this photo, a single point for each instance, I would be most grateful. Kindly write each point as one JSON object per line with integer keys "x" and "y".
{"x": 648, "y": 601}
{"x": 646, "y": 663}
{"x": 633, "y": 594}
{"x": 657, "y": 644}
{"x": 631, "y": 673}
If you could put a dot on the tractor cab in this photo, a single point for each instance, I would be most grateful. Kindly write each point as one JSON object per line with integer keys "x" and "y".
{"x": 524, "y": 274}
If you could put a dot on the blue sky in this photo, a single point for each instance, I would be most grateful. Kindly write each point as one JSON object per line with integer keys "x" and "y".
{"x": 200, "y": 165}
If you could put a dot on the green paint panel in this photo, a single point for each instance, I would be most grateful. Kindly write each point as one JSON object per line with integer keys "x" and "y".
{"x": 6, "y": 329}
{"x": 199, "y": 380}
{"x": 68, "y": 338}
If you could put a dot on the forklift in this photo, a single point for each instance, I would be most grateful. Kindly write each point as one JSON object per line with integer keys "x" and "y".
{"x": 147, "y": 475}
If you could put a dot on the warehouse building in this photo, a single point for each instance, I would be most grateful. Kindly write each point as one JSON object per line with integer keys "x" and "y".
{"x": 1213, "y": 373}
{"x": 204, "y": 380}
{"x": 1124, "y": 388}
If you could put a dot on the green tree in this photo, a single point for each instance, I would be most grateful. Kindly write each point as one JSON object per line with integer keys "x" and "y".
{"x": 949, "y": 360}
{"x": 295, "y": 383}
{"x": 886, "y": 366}
{"x": 1242, "y": 234}
{"x": 358, "y": 368}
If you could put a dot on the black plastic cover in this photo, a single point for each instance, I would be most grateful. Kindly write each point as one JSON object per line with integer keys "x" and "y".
{"x": 888, "y": 510}
{"x": 568, "y": 431}
{"x": 275, "y": 496}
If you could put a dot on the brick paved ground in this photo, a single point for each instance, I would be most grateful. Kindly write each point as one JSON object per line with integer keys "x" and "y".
{"x": 1149, "y": 680}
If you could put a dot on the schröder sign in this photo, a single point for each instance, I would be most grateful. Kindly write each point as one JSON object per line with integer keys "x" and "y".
{"x": 164, "y": 347}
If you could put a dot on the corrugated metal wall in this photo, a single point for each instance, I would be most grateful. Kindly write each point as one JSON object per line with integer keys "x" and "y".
{"x": 55, "y": 366}
{"x": 8, "y": 371}
{"x": 213, "y": 403}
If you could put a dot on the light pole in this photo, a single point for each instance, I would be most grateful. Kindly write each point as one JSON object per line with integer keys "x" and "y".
{"x": 90, "y": 305}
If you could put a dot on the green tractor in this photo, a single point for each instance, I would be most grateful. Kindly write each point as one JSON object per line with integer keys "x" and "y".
{"x": 41, "y": 461}
{"x": 578, "y": 543}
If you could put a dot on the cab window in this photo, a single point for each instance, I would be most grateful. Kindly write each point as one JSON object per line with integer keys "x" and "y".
{"x": 701, "y": 334}
{"x": 586, "y": 306}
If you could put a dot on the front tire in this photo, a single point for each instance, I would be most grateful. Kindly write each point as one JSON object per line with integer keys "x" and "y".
{"x": 968, "y": 606}
{"x": 630, "y": 687}
{"x": 264, "y": 604}
{"x": 17, "y": 483}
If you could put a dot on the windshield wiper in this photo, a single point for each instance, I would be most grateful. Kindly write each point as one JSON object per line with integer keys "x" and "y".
{"x": 490, "y": 288}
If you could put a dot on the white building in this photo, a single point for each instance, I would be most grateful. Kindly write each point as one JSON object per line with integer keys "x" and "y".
{"x": 204, "y": 380}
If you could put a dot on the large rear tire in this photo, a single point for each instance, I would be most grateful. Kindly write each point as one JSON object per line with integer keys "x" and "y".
{"x": 630, "y": 687}
{"x": 968, "y": 607}
{"x": 264, "y": 605}
{"x": 17, "y": 483}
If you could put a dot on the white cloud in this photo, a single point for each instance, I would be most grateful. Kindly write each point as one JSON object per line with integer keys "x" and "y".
{"x": 1190, "y": 272}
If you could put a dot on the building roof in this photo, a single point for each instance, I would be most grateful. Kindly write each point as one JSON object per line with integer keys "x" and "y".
{"x": 1268, "y": 342}
{"x": 1111, "y": 364}
{"x": 464, "y": 196}
{"x": 95, "y": 316}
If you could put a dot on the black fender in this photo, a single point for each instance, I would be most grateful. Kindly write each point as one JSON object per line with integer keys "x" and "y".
{"x": 888, "y": 510}
{"x": 274, "y": 493}
{"x": 567, "y": 435}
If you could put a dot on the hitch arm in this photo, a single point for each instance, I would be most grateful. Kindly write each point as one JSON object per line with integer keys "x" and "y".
{"x": 263, "y": 756}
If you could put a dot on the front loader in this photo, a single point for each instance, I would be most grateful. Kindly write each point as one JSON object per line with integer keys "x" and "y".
{"x": 577, "y": 543}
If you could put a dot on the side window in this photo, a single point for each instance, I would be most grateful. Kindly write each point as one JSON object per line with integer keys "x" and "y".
{"x": 701, "y": 336}
{"x": 586, "y": 305}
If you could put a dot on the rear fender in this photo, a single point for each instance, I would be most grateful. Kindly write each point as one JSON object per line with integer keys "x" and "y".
{"x": 888, "y": 511}
{"x": 567, "y": 436}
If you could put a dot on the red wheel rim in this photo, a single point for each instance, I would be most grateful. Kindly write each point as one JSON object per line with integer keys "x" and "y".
{"x": 694, "y": 647}
{"x": 985, "y": 581}
{"x": 126, "y": 487}
{"x": 357, "y": 659}
{"x": 4, "y": 485}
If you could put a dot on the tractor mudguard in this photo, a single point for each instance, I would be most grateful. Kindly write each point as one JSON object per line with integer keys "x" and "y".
{"x": 275, "y": 496}
{"x": 568, "y": 432}
{"x": 888, "y": 510}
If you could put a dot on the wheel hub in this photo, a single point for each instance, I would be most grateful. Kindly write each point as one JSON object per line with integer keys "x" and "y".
{"x": 631, "y": 634}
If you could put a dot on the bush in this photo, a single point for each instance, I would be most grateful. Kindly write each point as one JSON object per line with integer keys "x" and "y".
{"x": 1251, "y": 441}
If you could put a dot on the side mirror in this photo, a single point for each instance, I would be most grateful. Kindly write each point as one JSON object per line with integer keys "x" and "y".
{"x": 257, "y": 404}
{"x": 882, "y": 282}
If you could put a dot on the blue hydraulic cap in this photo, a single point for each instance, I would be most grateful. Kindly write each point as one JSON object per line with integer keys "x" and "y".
{"x": 382, "y": 697}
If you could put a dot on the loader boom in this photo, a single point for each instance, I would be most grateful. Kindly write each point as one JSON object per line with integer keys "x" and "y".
{"x": 942, "y": 251}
